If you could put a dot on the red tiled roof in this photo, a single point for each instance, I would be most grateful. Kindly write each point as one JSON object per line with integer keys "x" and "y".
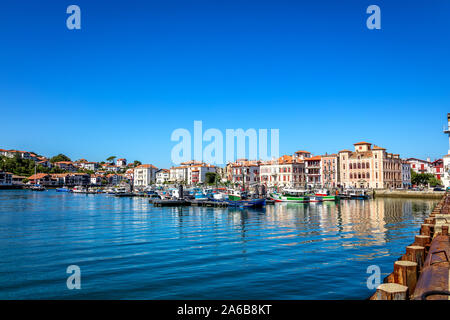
{"x": 315, "y": 158}
{"x": 360, "y": 143}
{"x": 146, "y": 166}
{"x": 38, "y": 176}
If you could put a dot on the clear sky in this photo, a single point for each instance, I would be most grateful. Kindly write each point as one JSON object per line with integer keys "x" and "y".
{"x": 137, "y": 70}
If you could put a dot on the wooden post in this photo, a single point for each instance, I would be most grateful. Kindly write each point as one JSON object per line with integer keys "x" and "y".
{"x": 391, "y": 291}
{"x": 416, "y": 254}
{"x": 427, "y": 229}
{"x": 405, "y": 273}
{"x": 421, "y": 240}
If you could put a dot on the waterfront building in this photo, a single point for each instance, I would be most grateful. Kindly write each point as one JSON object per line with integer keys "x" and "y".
{"x": 313, "y": 172}
{"x": 190, "y": 172}
{"x": 329, "y": 168}
{"x": 144, "y": 175}
{"x": 437, "y": 168}
{"x": 18, "y": 180}
{"x": 178, "y": 174}
{"x": 302, "y": 155}
{"x": 245, "y": 172}
{"x": 368, "y": 167}
{"x": 43, "y": 179}
{"x": 286, "y": 171}
{"x": 162, "y": 176}
{"x": 6, "y": 178}
{"x": 122, "y": 162}
{"x": 114, "y": 179}
{"x": 96, "y": 179}
{"x": 420, "y": 166}
{"x": 406, "y": 174}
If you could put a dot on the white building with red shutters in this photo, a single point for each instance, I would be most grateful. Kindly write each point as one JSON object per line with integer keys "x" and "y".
{"x": 243, "y": 171}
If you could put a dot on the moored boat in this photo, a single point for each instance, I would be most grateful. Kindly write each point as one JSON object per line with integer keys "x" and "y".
{"x": 63, "y": 189}
{"x": 326, "y": 196}
{"x": 37, "y": 187}
{"x": 251, "y": 203}
{"x": 290, "y": 195}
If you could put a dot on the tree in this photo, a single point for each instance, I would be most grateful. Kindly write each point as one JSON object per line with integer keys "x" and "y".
{"x": 210, "y": 177}
{"x": 137, "y": 163}
{"x": 111, "y": 159}
{"x": 423, "y": 179}
{"x": 433, "y": 181}
{"x": 59, "y": 157}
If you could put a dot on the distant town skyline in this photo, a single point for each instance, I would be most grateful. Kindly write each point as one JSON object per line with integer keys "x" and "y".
{"x": 137, "y": 71}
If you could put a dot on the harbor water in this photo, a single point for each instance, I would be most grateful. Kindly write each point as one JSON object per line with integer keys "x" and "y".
{"x": 128, "y": 249}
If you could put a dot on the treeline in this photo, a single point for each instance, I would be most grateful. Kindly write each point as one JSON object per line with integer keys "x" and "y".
{"x": 24, "y": 167}
{"x": 423, "y": 179}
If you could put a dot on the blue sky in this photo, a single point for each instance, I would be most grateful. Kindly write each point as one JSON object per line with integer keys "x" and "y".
{"x": 137, "y": 70}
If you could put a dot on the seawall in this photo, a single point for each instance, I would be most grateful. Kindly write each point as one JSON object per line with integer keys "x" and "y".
{"x": 408, "y": 194}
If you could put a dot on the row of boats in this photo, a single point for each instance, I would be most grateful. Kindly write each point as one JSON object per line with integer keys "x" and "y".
{"x": 233, "y": 197}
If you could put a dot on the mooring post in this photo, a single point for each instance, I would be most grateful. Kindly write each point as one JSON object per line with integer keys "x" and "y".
{"x": 416, "y": 254}
{"x": 421, "y": 240}
{"x": 427, "y": 229}
{"x": 391, "y": 291}
{"x": 405, "y": 273}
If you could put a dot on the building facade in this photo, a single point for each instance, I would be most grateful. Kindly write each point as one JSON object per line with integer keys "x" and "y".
{"x": 286, "y": 172}
{"x": 144, "y": 175}
{"x": 329, "y": 167}
{"x": 368, "y": 167}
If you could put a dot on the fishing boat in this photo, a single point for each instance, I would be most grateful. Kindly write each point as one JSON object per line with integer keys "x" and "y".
{"x": 290, "y": 195}
{"x": 63, "y": 189}
{"x": 358, "y": 194}
{"x": 314, "y": 198}
{"x": 326, "y": 196}
{"x": 239, "y": 199}
{"x": 251, "y": 203}
{"x": 199, "y": 195}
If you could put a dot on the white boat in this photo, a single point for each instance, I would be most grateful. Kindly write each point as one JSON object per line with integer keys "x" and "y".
{"x": 79, "y": 189}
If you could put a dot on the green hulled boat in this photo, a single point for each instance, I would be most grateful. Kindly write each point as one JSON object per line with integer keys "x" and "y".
{"x": 326, "y": 196}
{"x": 290, "y": 195}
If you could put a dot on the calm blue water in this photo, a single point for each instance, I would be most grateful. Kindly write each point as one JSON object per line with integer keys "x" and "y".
{"x": 127, "y": 249}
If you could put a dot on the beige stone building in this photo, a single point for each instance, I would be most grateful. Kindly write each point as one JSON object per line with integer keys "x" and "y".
{"x": 369, "y": 167}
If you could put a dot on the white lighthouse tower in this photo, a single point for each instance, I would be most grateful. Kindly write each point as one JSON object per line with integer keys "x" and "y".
{"x": 446, "y": 158}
